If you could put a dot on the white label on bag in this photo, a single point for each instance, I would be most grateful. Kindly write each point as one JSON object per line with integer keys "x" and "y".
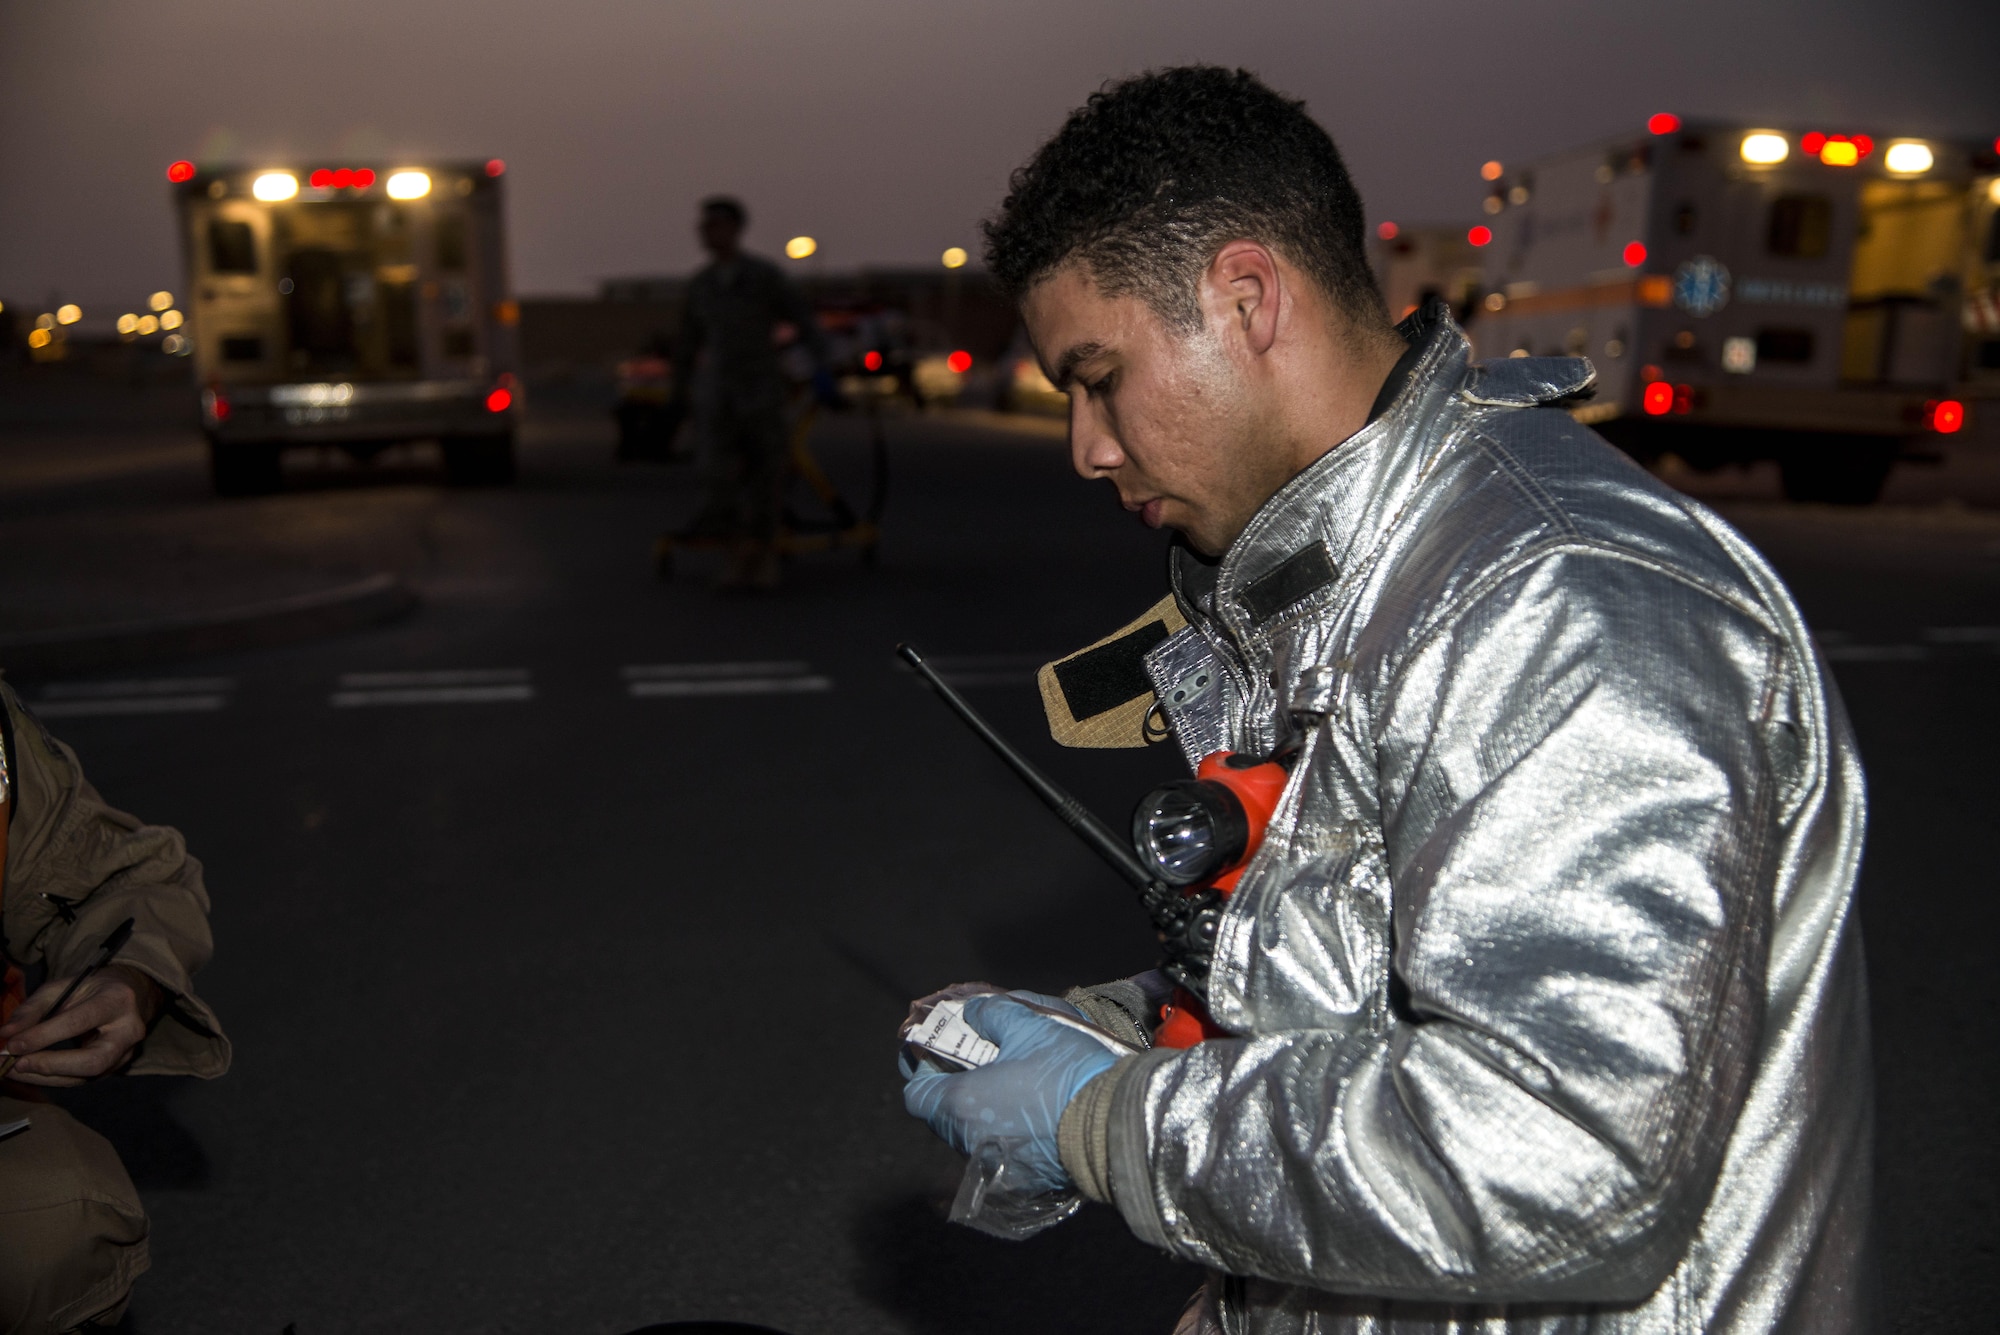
{"x": 945, "y": 1033}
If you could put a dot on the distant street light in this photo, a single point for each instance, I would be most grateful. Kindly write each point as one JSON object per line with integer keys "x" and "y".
{"x": 69, "y": 314}
{"x": 159, "y": 301}
{"x": 128, "y": 324}
{"x": 171, "y": 319}
{"x": 800, "y": 246}
{"x": 955, "y": 257}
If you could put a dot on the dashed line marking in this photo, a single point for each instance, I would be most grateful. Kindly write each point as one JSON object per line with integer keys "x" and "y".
{"x": 678, "y": 681}
{"x": 455, "y": 677}
{"x": 701, "y": 671}
{"x": 129, "y": 698}
{"x": 465, "y": 686}
{"x": 101, "y": 690}
{"x": 649, "y": 690}
{"x": 152, "y": 704}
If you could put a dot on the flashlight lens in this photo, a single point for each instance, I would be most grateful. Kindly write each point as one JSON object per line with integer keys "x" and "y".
{"x": 1190, "y": 831}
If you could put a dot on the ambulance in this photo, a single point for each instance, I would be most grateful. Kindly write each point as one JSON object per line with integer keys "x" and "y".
{"x": 1814, "y": 294}
{"x": 351, "y": 306}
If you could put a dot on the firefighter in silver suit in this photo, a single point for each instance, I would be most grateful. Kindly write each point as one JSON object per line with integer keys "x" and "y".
{"x": 1544, "y": 997}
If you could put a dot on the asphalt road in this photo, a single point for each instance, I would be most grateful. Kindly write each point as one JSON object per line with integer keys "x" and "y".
{"x": 563, "y": 991}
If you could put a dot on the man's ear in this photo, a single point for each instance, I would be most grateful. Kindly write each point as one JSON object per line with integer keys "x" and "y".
{"x": 1242, "y": 286}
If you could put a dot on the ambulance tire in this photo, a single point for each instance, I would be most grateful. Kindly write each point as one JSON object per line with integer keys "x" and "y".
{"x": 479, "y": 461}
{"x": 1837, "y": 472}
{"x": 243, "y": 467}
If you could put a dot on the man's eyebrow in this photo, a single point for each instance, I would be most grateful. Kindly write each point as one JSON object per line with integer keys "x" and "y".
{"x": 1067, "y": 363}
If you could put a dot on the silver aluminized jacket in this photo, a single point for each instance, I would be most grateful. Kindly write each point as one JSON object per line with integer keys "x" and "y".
{"x": 1546, "y": 984}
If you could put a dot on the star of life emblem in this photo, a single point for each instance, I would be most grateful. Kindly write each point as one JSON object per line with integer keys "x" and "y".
{"x": 1701, "y": 285}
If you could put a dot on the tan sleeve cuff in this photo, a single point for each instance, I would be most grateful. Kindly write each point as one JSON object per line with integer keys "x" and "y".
{"x": 1083, "y": 1137}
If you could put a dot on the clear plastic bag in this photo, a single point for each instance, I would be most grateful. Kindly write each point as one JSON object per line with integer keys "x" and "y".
{"x": 994, "y": 1195}
{"x": 989, "y": 1202}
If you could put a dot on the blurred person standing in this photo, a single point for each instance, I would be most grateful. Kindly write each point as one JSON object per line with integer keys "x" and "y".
{"x": 73, "y": 1235}
{"x": 740, "y": 317}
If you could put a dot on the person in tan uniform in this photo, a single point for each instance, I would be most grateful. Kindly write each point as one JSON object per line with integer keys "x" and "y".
{"x": 72, "y": 1231}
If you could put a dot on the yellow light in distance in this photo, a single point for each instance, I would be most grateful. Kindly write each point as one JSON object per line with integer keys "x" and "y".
{"x": 69, "y": 314}
{"x": 1764, "y": 149}
{"x": 272, "y": 187}
{"x": 127, "y": 323}
{"x": 955, "y": 257}
{"x": 45, "y": 321}
{"x": 1908, "y": 158}
{"x": 1993, "y": 190}
{"x": 38, "y": 338}
{"x": 148, "y": 325}
{"x": 1840, "y": 153}
{"x": 1491, "y": 171}
{"x": 408, "y": 185}
{"x": 159, "y": 301}
{"x": 800, "y": 246}
{"x": 172, "y": 319}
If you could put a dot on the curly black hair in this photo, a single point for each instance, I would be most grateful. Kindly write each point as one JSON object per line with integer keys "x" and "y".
{"x": 1147, "y": 180}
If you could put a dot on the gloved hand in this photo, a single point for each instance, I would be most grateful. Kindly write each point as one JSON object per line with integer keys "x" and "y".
{"x": 1021, "y": 1094}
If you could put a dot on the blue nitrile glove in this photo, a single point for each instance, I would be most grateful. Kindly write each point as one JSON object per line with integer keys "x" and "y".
{"x": 1021, "y": 1094}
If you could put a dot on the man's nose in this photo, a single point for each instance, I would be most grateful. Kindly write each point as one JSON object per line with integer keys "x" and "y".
{"x": 1093, "y": 450}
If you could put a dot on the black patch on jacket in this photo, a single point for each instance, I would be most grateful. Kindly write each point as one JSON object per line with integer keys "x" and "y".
{"x": 1104, "y": 678}
{"x": 1304, "y": 572}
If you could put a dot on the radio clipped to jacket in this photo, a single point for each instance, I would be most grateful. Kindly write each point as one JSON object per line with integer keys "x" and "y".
{"x": 1191, "y": 840}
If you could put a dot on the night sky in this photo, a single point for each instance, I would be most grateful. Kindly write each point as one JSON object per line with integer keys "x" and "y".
{"x": 885, "y": 128}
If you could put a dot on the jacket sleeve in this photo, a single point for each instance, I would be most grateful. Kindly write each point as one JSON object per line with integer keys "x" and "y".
{"x": 77, "y": 867}
{"x": 1577, "y": 830}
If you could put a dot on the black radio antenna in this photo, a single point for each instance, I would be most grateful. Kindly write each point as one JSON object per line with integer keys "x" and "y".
{"x": 1069, "y": 811}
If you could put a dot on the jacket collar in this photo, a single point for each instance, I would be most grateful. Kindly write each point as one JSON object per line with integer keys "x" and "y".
{"x": 1297, "y": 549}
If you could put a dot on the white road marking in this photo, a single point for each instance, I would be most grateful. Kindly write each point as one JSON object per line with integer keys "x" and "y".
{"x": 456, "y": 686}
{"x": 106, "y": 690}
{"x": 149, "y": 704}
{"x": 702, "y": 671}
{"x": 433, "y": 695}
{"x": 461, "y": 677}
{"x": 651, "y": 690}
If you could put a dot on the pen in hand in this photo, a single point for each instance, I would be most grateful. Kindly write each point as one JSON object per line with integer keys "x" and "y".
{"x": 113, "y": 943}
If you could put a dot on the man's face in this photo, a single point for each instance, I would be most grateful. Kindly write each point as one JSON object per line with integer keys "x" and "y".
{"x": 1170, "y": 417}
{"x": 720, "y": 233}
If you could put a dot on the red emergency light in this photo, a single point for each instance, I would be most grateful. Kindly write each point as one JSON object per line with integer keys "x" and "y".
{"x": 180, "y": 171}
{"x": 1837, "y": 150}
{"x": 1635, "y": 254}
{"x": 1663, "y": 122}
{"x": 1481, "y": 235}
{"x": 871, "y": 360}
{"x": 494, "y": 166}
{"x": 960, "y": 361}
{"x": 342, "y": 178}
{"x": 1946, "y": 416}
